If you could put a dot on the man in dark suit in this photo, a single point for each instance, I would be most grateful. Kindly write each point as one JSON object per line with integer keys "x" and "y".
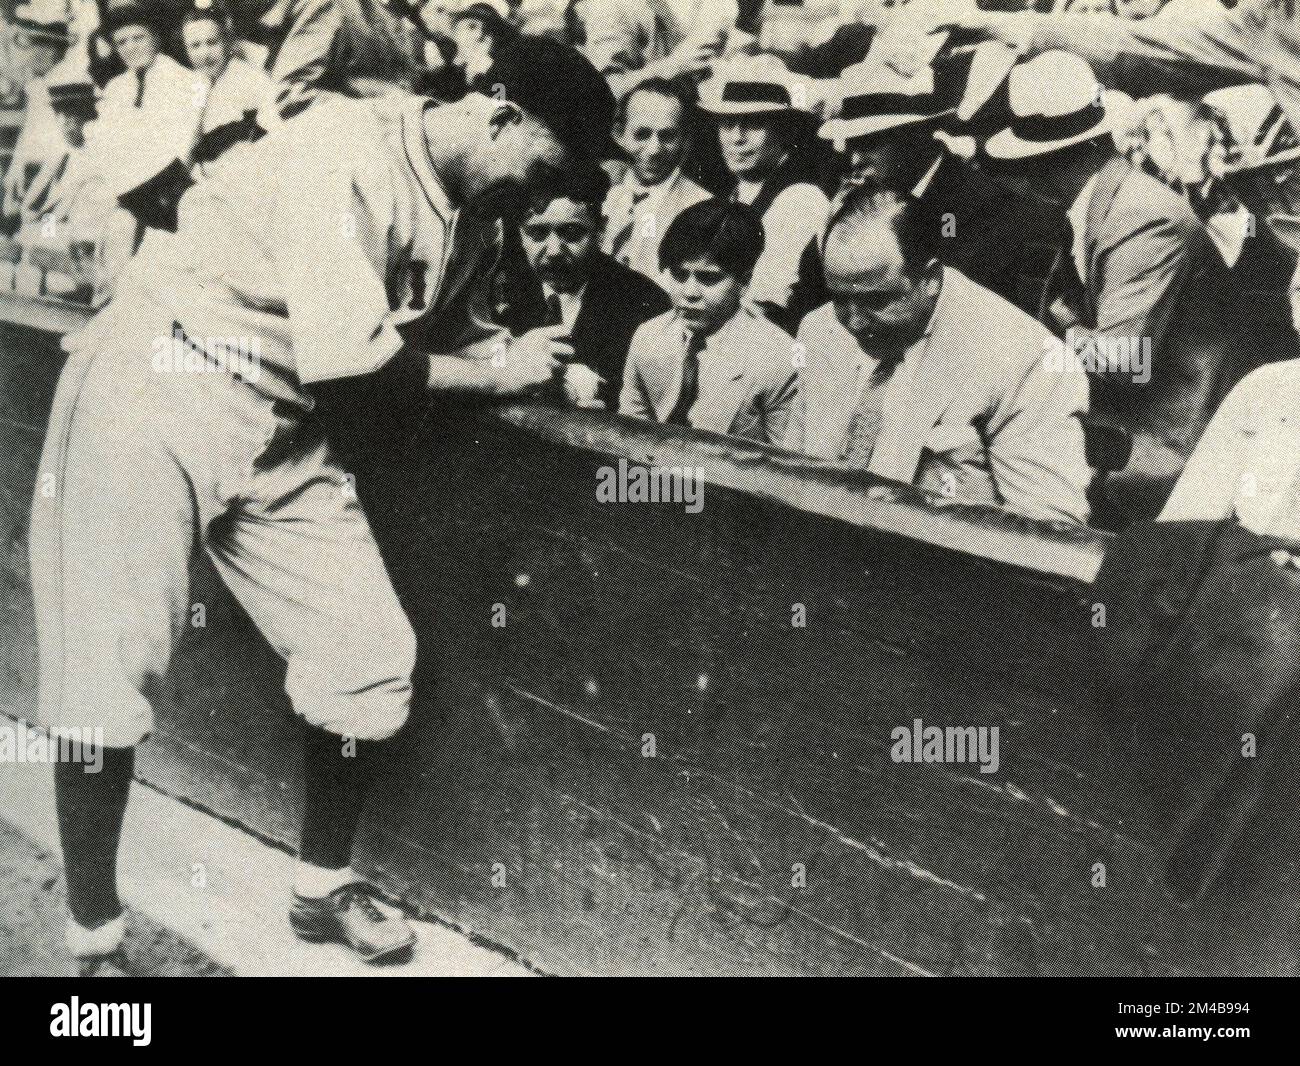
{"x": 566, "y": 281}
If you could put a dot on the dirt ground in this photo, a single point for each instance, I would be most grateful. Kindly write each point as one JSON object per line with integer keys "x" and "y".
{"x": 32, "y": 915}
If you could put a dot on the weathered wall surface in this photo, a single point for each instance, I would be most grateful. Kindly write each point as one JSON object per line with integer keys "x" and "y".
{"x": 770, "y": 832}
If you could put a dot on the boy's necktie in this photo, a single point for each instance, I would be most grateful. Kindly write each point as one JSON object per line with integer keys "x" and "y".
{"x": 690, "y": 381}
{"x": 554, "y": 310}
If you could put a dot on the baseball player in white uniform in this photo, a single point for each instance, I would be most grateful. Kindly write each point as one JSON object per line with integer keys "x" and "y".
{"x": 188, "y": 415}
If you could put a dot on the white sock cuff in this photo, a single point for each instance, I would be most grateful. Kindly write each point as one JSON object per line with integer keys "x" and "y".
{"x": 316, "y": 882}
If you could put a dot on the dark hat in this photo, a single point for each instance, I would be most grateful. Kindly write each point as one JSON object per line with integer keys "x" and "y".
{"x": 77, "y": 97}
{"x": 122, "y": 15}
{"x": 557, "y": 85}
{"x": 28, "y": 32}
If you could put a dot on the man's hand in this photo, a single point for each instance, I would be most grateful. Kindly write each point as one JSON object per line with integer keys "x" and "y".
{"x": 581, "y": 384}
{"x": 1062, "y": 314}
{"x": 532, "y": 360}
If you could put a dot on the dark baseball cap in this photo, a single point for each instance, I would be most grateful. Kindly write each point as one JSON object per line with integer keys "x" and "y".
{"x": 557, "y": 85}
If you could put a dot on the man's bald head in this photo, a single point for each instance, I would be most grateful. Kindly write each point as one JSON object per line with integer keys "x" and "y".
{"x": 882, "y": 268}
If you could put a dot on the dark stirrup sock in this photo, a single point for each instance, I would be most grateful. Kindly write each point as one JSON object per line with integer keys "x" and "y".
{"x": 91, "y": 808}
{"x": 335, "y": 786}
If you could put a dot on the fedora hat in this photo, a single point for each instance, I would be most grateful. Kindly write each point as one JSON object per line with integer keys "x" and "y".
{"x": 755, "y": 85}
{"x": 1056, "y": 101}
{"x": 877, "y": 99}
{"x": 1261, "y": 134}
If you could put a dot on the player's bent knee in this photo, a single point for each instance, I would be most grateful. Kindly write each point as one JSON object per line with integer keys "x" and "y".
{"x": 364, "y": 691}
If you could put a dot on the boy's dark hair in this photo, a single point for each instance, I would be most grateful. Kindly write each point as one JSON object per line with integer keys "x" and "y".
{"x": 584, "y": 183}
{"x": 659, "y": 87}
{"x": 731, "y": 234}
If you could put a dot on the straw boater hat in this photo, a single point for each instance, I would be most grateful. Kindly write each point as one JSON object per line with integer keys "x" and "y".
{"x": 1056, "y": 101}
{"x": 75, "y": 97}
{"x": 1260, "y": 131}
{"x": 757, "y": 85}
{"x": 877, "y": 99}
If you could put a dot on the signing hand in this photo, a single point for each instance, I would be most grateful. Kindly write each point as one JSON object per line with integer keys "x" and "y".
{"x": 532, "y": 360}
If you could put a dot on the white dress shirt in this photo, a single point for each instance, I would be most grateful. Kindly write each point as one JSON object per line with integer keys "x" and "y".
{"x": 570, "y": 302}
{"x": 1247, "y": 462}
{"x": 795, "y": 219}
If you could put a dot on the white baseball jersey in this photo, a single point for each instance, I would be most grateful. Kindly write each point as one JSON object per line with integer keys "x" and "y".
{"x": 334, "y": 245}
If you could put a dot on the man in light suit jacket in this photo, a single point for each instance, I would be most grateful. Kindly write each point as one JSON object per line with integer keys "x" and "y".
{"x": 653, "y": 128}
{"x": 709, "y": 363}
{"x": 1141, "y": 293}
{"x": 919, "y": 375}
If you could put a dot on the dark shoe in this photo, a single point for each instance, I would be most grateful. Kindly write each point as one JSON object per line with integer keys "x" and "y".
{"x": 348, "y": 916}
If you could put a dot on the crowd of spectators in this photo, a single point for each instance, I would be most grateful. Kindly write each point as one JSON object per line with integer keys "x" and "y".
{"x": 988, "y": 277}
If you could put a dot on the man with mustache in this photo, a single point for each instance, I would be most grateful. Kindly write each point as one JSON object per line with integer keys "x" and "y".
{"x": 569, "y": 282}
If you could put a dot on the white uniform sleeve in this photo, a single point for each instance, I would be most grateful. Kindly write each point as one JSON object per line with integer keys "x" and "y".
{"x": 1213, "y": 475}
{"x": 331, "y": 233}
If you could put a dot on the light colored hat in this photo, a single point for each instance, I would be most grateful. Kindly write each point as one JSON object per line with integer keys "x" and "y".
{"x": 1056, "y": 101}
{"x": 751, "y": 85}
{"x": 1286, "y": 228}
{"x": 877, "y": 99}
{"x": 1260, "y": 130}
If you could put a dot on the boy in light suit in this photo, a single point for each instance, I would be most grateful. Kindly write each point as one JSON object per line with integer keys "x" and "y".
{"x": 708, "y": 363}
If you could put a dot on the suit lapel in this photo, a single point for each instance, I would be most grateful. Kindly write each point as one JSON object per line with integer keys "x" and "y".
{"x": 593, "y": 296}
{"x": 921, "y": 401}
{"x": 1109, "y": 180}
{"x": 722, "y": 377}
{"x": 670, "y": 348}
{"x": 830, "y": 388}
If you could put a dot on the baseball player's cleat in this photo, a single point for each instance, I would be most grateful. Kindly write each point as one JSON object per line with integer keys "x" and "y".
{"x": 89, "y": 945}
{"x": 349, "y": 916}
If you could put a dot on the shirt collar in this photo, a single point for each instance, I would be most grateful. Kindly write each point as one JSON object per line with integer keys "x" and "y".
{"x": 634, "y": 186}
{"x": 416, "y": 146}
{"x": 919, "y": 189}
{"x": 549, "y": 290}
